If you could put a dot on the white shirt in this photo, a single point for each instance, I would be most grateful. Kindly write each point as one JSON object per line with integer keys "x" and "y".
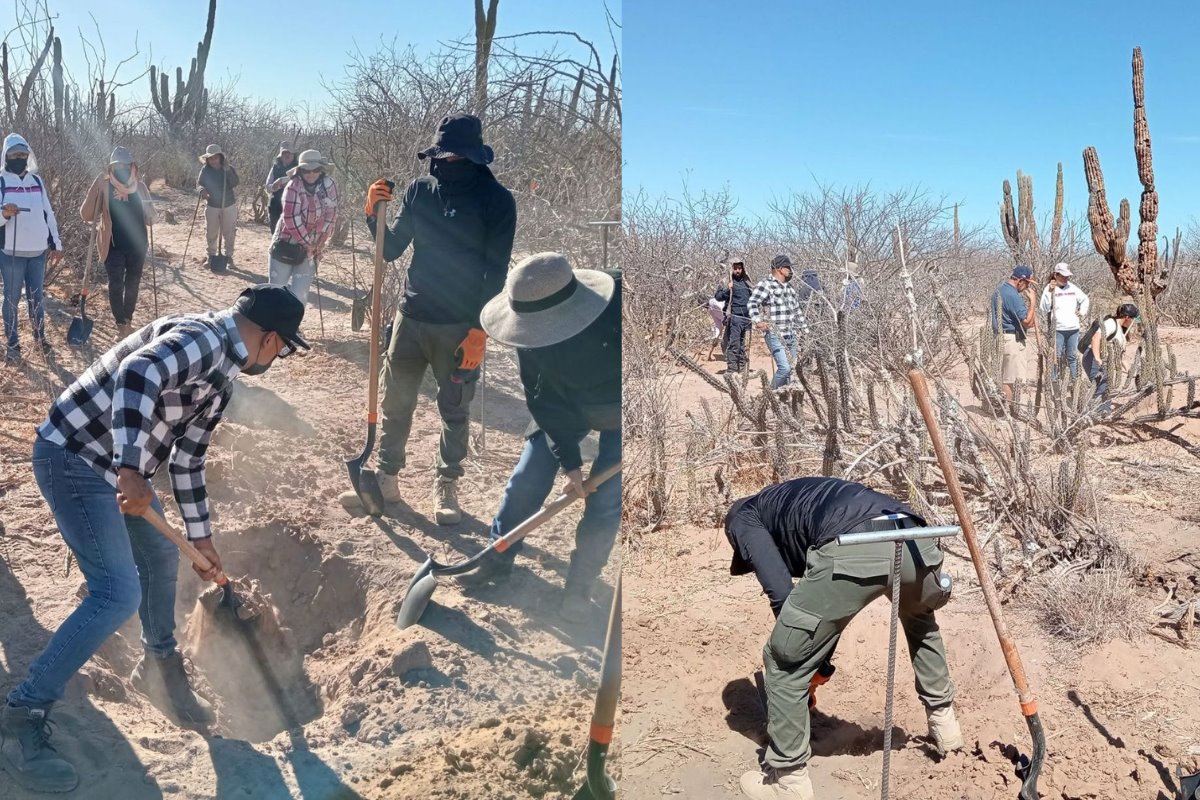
{"x": 1070, "y": 303}
{"x": 1112, "y": 328}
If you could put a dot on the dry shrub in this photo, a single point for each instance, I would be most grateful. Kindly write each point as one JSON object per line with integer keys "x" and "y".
{"x": 1090, "y": 606}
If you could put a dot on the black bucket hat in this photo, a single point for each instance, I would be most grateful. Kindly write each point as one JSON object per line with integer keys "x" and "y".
{"x": 273, "y": 308}
{"x": 460, "y": 135}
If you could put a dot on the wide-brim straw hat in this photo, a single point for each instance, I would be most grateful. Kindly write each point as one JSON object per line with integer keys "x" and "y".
{"x": 309, "y": 159}
{"x": 210, "y": 151}
{"x": 545, "y": 302}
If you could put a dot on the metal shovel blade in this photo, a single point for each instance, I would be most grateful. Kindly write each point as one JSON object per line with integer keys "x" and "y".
{"x": 80, "y": 331}
{"x": 1189, "y": 786}
{"x": 218, "y": 263}
{"x": 606, "y": 792}
{"x": 1029, "y": 769}
{"x": 358, "y": 312}
{"x": 365, "y": 481}
{"x": 417, "y": 599}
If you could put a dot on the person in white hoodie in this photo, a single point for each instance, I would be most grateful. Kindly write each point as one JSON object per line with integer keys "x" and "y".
{"x": 1070, "y": 304}
{"x": 28, "y": 234}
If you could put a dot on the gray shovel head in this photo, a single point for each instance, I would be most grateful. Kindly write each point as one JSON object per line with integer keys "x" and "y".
{"x": 218, "y": 263}
{"x": 358, "y": 311}
{"x": 80, "y": 330}
{"x": 417, "y": 599}
{"x": 1189, "y": 787}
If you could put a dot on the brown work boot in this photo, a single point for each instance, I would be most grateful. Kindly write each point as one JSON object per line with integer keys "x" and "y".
{"x": 445, "y": 503}
{"x": 778, "y": 784}
{"x": 389, "y": 487}
{"x": 944, "y": 730}
{"x": 165, "y": 682}
{"x": 27, "y": 755}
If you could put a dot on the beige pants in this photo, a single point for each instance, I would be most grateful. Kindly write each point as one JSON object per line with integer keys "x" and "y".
{"x": 221, "y": 221}
{"x": 1012, "y": 366}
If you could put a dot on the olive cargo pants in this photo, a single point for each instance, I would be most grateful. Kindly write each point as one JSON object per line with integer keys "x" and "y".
{"x": 838, "y": 583}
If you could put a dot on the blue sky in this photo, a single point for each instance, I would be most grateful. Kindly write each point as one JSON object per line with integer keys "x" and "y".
{"x": 769, "y": 96}
{"x": 262, "y": 46}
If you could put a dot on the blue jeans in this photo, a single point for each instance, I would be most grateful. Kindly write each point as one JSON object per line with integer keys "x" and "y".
{"x": 1066, "y": 342}
{"x": 1099, "y": 376}
{"x": 783, "y": 350}
{"x": 128, "y": 566}
{"x": 29, "y": 273}
{"x": 530, "y": 485}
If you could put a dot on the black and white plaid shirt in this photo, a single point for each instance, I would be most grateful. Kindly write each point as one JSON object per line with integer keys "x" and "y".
{"x": 160, "y": 393}
{"x": 777, "y": 304}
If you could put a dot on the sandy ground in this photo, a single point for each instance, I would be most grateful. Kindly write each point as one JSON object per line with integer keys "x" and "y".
{"x": 1119, "y": 717}
{"x": 489, "y": 697}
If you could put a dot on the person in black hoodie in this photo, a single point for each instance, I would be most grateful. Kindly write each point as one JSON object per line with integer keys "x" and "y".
{"x": 277, "y": 178}
{"x": 460, "y": 222}
{"x": 791, "y": 528}
{"x": 737, "y": 316}
{"x": 566, "y": 326}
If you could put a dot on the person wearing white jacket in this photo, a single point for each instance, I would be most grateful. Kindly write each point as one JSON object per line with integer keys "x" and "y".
{"x": 28, "y": 233}
{"x": 1070, "y": 304}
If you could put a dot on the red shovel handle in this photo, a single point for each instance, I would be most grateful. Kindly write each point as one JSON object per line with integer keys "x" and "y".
{"x": 189, "y": 550}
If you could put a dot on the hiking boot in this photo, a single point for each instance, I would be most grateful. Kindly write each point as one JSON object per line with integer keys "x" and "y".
{"x": 43, "y": 345}
{"x": 27, "y": 755}
{"x": 389, "y": 487}
{"x": 778, "y": 784}
{"x": 495, "y": 568}
{"x": 576, "y": 604}
{"x": 124, "y": 331}
{"x": 944, "y": 730}
{"x": 445, "y": 504}
{"x": 12, "y": 355}
{"x": 165, "y": 682}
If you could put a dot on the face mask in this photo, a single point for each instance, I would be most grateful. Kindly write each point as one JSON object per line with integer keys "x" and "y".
{"x": 445, "y": 170}
{"x": 787, "y": 276}
{"x": 258, "y": 369}
{"x": 16, "y": 165}
{"x": 122, "y": 174}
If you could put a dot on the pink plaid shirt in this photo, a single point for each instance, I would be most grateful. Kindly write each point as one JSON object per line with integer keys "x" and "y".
{"x": 308, "y": 218}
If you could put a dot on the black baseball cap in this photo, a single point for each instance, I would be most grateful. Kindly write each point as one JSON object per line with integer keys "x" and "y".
{"x": 273, "y": 308}
{"x": 780, "y": 262}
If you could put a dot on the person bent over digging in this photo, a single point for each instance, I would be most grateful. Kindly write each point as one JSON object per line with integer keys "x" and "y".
{"x": 566, "y": 327}
{"x": 460, "y": 222}
{"x": 802, "y": 518}
{"x": 155, "y": 397}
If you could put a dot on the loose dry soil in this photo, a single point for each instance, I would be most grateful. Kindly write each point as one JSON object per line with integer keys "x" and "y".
{"x": 1119, "y": 717}
{"x": 489, "y": 697}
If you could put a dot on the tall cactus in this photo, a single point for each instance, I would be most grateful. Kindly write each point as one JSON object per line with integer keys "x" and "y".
{"x": 1111, "y": 239}
{"x": 56, "y": 77}
{"x": 190, "y": 103}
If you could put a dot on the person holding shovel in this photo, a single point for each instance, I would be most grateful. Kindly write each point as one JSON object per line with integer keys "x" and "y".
{"x": 735, "y": 295}
{"x": 566, "y": 327}
{"x": 120, "y": 202}
{"x": 774, "y": 308}
{"x": 791, "y": 528}
{"x": 309, "y": 213}
{"x": 216, "y": 182}
{"x": 276, "y": 179}
{"x": 28, "y": 239}
{"x": 154, "y": 398}
{"x": 460, "y": 222}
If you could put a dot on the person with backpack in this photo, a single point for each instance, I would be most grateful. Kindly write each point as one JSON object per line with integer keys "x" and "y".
{"x": 28, "y": 239}
{"x": 310, "y": 200}
{"x": 1114, "y": 329}
{"x": 120, "y": 202}
{"x": 216, "y": 182}
{"x": 276, "y": 180}
{"x": 1069, "y": 304}
{"x": 791, "y": 528}
{"x": 774, "y": 308}
{"x": 1012, "y": 312}
{"x": 460, "y": 222}
{"x": 735, "y": 295}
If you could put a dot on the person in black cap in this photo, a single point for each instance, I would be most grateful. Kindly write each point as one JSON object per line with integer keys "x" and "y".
{"x": 460, "y": 222}
{"x": 154, "y": 398}
{"x": 1114, "y": 330}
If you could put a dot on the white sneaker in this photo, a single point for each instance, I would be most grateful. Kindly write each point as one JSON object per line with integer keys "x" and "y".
{"x": 775, "y": 784}
{"x": 944, "y": 730}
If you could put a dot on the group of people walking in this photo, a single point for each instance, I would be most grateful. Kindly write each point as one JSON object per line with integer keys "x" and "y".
{"x": 160, "y": 392}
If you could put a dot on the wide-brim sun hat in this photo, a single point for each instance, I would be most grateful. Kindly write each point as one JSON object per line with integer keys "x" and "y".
{"x": 460, "y": 135}
{"x": 210, "y": 151}
{"x": 545, "y": 302}
{"x": 309, "y": 159}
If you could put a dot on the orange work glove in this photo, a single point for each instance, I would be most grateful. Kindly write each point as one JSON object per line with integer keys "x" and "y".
{"x": 379, "y": 191}
{"x": 824, "y": 673}
{"x": 472, "y": 349}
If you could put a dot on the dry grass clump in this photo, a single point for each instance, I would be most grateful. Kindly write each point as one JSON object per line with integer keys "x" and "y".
{"x": 1085, "y": 605}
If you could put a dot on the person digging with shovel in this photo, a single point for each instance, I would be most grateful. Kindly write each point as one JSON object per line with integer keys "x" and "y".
{"x": 566, "y": 327}
{"x": 798, "y": 522}
{"x": 460, "y": 222}
{"x": 155, "y": 397}
{"x": 121, "y": 202}
{"x": 28, "y": 239}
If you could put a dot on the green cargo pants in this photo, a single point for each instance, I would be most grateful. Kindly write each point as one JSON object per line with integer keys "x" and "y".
{"x": 414, "y": 347}
{"x": 838, "y": 583}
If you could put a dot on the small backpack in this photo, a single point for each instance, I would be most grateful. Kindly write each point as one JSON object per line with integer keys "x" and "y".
{"x": 1085, "y": 341}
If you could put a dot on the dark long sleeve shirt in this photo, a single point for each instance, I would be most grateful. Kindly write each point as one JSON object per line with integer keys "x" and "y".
{"x": 772, "y": 531}
{"x": 575, "y": 386}
{"x": 741, "y": 297}
{"x": 462, "y": 238}
{"x": 219, "y": 185}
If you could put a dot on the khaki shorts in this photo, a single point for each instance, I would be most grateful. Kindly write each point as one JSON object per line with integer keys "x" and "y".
{"x": 1012, "y": 367}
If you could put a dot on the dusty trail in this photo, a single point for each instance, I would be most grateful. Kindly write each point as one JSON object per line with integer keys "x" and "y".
{"x": 490, "y": 697}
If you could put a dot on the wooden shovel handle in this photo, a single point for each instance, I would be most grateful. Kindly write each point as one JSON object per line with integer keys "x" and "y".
{"x": 552, "y": 508}
{"x": 376, "y": 310}
{"x": 1007, "y": 646}
{"x": 189, "y": 550}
